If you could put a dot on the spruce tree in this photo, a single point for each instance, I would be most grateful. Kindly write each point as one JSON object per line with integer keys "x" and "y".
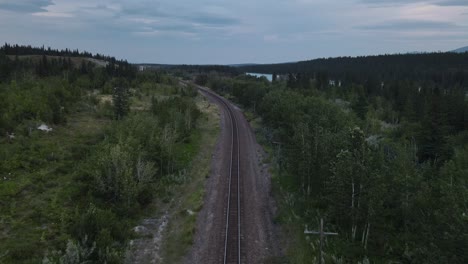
{"x": 121, "y": 102}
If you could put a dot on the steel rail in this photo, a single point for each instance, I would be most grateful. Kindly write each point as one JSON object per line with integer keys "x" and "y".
{"x": 227, "y": 258}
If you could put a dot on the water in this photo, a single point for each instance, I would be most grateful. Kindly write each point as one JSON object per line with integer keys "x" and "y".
{"x": 258, "y": 75}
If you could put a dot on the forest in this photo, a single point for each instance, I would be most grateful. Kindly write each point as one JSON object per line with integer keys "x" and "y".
{"x": 380, "y": 156}
{"x": 19, "y": 50}
{"x": 444, "y": 69}
{"x": 85, "y": 150}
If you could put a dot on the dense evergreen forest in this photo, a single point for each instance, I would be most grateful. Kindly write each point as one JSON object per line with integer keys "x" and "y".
{"x": 381, "y": 156}
{"x": 18, "y": 50}
{"x": 445, "y": 69}
{"x": 20, "y": 61}
{"x": 84, "y": 151}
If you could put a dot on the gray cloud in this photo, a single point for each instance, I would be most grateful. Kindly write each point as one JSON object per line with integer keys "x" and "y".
{"x": 175, "y": 28}
{"x": 214, "y": 20}
{"x": 405, "y": 25}
{"x": 142, "y": 8}
{"x": 25, "y": 6}
{"x": 453, "y": 3}
{"x": 193, "y": 25}
{"x": 174, "y": 18}
{"x": 404, "y": 2}
{"x": 391, "y": 2}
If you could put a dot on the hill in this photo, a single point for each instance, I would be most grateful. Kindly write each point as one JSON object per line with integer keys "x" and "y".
{"x": 17, "y": 50}
{"x": 77, "y": 61}
{"x": 461, "y": 50}
{"x": 16, "y": 59}
{"x": 242, "y": 64}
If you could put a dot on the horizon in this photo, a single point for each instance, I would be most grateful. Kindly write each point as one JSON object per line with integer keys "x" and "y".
{"x": 236, "y": 64}
{"x": 212, "y": 32}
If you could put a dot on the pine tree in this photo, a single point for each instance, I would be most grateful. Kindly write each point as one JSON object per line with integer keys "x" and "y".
{"x": 361, "y": 106}
{"x": 121, "y": 102}
{"x": 432, "y": 138}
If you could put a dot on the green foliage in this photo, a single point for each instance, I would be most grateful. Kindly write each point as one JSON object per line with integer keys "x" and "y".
{"x": 180, "y": 112}
{"x": 75, "y": 253}
{"x": 121, "y": 102}
{"x": 121, "y": 98}
{"x": 76, "y": 191}
{"x": 42, "y": 101}
{"x": 361, "y": 106}
{"x": 395, "y": 192}
{"x": 201, "y": 79}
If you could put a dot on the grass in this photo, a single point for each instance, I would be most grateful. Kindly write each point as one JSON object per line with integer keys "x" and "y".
{"x": 36, "y": 185}
{"x": 182, "y": 225}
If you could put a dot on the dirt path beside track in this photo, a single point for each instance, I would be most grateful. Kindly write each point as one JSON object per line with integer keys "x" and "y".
{"x": 259, "y": 239}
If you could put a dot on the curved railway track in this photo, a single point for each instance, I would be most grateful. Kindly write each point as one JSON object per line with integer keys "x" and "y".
{"x": 232, "y": 234}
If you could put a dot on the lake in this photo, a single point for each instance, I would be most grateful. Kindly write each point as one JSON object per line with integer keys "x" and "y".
{"x": 258, "y": 75}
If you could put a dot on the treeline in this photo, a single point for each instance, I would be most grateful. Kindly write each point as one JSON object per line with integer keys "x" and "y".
{"x": 445, "y": 69}
{"x": 20, "y": 50}
{"x": 386, "y": 170}
{"x": 204, "y": 69}
{"x": 58, "y": 63}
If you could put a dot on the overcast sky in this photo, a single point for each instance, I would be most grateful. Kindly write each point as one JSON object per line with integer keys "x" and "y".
{"x": 236, "y": 31}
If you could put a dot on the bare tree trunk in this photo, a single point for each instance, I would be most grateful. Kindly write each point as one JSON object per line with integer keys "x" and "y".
{"x": 367, "y": 236}
{"x": 353, "y": 233}
{"x": 363, "y": 236}
{"x": 352, "y": 195}
{"x": 353, "y": 227}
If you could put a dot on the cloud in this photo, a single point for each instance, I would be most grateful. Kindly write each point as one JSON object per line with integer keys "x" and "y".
{"x": 141, "y": 8}
{"x": 192, "y": 14}
{"x": 407, "y": 25}
{"x": 174, "y": 28}
{"x": 392, "y": 2}
{"x": 25, "y": 6}
{"x": 153, "y": 18}
{"x": 214, "y": 20}
{"x": 406, "y": 2}
{"x": 453, "y": 3}
{"x": 53, "y": 14}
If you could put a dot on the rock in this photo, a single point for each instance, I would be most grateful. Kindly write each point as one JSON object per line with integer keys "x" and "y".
{"x": 45, "y": 128}
{"x": 11, "y": 136}
{"x": 141, "y": 230}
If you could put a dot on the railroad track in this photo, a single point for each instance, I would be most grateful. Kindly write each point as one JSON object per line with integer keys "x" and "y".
{"x": 232, "y": 241}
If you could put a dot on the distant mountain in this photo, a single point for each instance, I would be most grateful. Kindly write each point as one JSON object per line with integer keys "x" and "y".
{"x": 461, "y": 50}
{"x": 154, "y": 65}
{"x": 242, "y": 65}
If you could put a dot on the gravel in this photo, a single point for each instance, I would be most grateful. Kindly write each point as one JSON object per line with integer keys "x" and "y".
{"x": 259, "y": 233}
